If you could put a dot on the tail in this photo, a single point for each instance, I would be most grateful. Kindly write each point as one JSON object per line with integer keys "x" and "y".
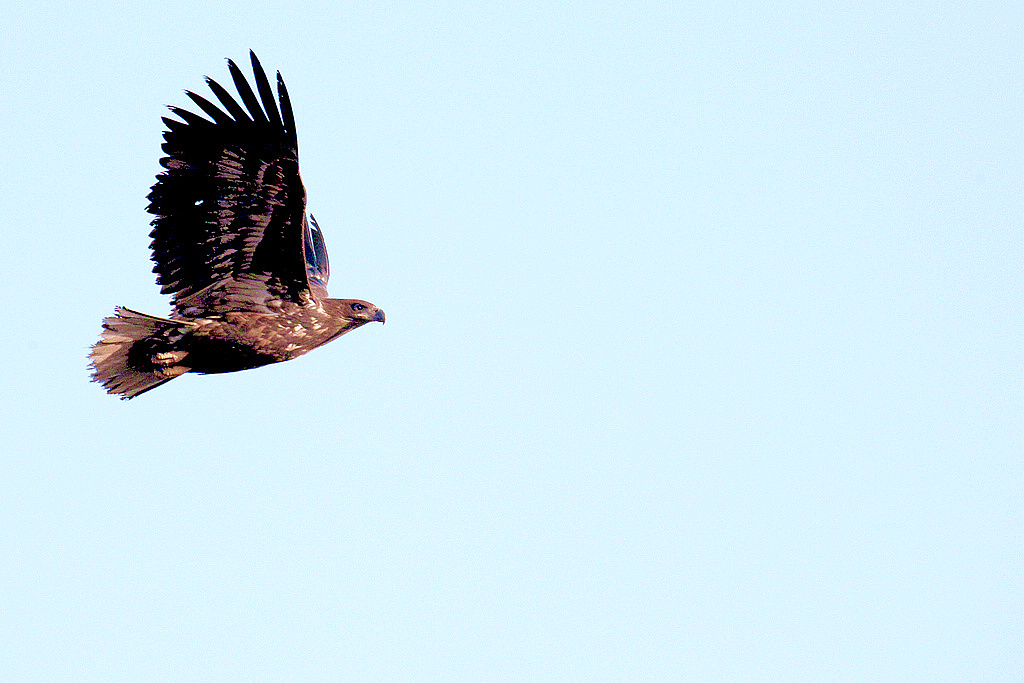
{"x": 125, "y": 367}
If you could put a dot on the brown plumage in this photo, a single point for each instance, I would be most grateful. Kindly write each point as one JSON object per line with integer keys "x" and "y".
{"x": 233, "y": 246}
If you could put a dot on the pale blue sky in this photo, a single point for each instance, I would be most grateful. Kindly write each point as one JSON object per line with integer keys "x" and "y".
{"x": 703, "y": 358}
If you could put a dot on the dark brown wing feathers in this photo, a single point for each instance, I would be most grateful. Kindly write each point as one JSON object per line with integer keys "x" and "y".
{"x": 230, "y": 205}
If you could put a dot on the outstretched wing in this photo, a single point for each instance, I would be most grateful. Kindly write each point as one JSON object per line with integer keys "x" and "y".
{"x": 230, "y": 208}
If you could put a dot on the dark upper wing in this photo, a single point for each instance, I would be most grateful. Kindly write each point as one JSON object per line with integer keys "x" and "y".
{"x": 230, "y": 208}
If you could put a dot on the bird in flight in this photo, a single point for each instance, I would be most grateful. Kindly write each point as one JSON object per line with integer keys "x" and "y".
{"x": 232, "y": 244}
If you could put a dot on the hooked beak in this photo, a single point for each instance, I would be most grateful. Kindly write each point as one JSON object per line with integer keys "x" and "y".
{"x": 379, "y": 317}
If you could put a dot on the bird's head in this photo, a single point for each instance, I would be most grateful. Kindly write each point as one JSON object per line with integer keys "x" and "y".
{"x": 363, "y": 311}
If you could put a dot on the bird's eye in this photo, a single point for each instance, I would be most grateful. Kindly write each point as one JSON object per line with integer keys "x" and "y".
{"x": 358, "y": 307}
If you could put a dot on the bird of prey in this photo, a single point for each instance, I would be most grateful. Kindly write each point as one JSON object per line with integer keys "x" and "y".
{"x": 232, "y": 244}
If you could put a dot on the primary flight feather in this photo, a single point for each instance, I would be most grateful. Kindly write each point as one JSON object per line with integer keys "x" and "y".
{"x": 232, "y": 244}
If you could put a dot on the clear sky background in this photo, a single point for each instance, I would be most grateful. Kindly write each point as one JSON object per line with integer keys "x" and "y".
{"x": 703, "y": 358}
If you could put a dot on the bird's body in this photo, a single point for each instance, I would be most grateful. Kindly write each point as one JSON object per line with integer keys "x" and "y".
{"x": 232, "y": 243}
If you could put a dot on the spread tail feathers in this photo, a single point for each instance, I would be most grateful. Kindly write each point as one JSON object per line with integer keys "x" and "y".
{"x": 121, "y": 367}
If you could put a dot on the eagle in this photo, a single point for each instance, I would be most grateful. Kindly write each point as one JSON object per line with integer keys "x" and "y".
{"x": 232, "y": 244}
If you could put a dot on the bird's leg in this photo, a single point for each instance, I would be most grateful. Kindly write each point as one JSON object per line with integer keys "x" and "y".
{"x": 167, "y": 358}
